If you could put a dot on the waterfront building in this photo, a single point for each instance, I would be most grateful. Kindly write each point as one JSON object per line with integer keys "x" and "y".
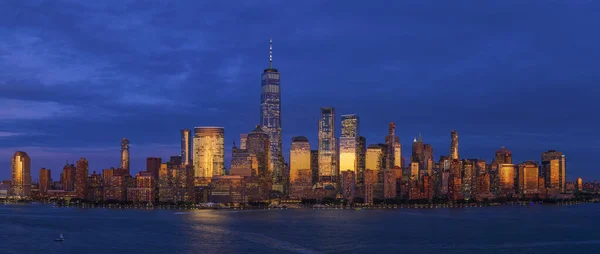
{"x": 370, "y": 181}
{"x": 362, "y": 159}
{"x": 258, "y": 144}
{"x": 314, "y": 165}
{"x": 328, "y": 159}
{"x": 228, "y": 190}
{"x": 81, "y": 178}
{"x": 67, "y": 178}
{"x": 301, "y": 186}
{"x": 45, "y": 181}
{"x": 153, "y": 165}
{"x": 349, "y": 142}
{"x": 21, "y": 176}
{"x": 299, "y": 157}
{"x": 528, "y": 177}
{"x": 503, "y": 156}
{"x": 143, "y": 192}
{"x": 243, "y": 163}
{"x": 389, "y": 184}
{"x": 270, "y": 116}
{"x": 507, "y": 179}
{"x": 349, "y": 185}
{"x": 186, "y": 150}
{"x": 125, "y": 154}
{"x": 95, "y": 187}
{"x": 554, "y": 170}
{"x": 453, "y": 155}
{"x": 209, "y": 152}
{"x": 375, "y": 157}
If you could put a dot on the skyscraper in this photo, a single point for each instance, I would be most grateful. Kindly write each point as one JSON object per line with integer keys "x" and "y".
{"x": 258, "y": 143}
{"x": 453, "y": 145}
{"x": 554, "y": 170}
{"x": 186, "y": 147}
{"x": 209, "y": 151}
{"x": 375, "y": 157}
{"x": 299, "y": 157}
{"x": 528, "y": 177}
{"x": 349, "y": 143}
{"x": 314, "y": 165}
{"x": 418, "y": 152}
{"x": 270, "y": 115}
{"x": 81, "y": 177}
{"x": 243, "y": 139}
{"x": 67, "y": 178}
{"x": 153, "y": 164}
{"x": 125, "y": 154}
{"x": 328, "y": 170}
{"x": 503, "y": 156}
{"x": 362, "y": 159}
{"x": 21, "y": 175}
{"x": 390, "y": 141}
{"x": 45, "y": 180}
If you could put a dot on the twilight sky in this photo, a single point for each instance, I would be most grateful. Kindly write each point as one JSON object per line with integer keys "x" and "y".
{"x": 77, "y": 76}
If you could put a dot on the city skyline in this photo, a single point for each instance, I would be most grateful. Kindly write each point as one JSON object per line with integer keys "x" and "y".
{"x": 59, "y": 113}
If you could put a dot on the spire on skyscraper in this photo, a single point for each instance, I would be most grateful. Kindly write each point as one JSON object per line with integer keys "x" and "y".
{"x": 271, "y": 53}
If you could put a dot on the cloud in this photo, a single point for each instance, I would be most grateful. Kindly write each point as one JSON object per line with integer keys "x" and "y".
{"x": 26, "y": 110}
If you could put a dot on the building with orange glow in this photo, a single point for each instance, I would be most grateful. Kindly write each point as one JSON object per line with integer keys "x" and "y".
{"x": 143, "y": 192}
{"x": 554, "y": 170}
{"x": 349, "y": 141}
{"x": 125, "y": 154}
{"x": 507, "y": 179}
{"x": 209, "y": 152}
{"x": 45, "y": 181}
{"x": 327, "y": 144}
{"x": 528, "y": 178}
{"x": 301, "y": 186}
{"x": 67, "y": 177}
{"x": 243, "y": 163}
{"x": 503, "y": 156}
{"x": 299, "y": 157}
{"x": 389, "y": 184}
{"x": 21, "y": 176}
{"x": 579, "y": 184}
{"x": 228, "y": 189}
{"x": 414, "y": 170}
{"x": 375, "y": 157}
{"x": 257, "y": 144}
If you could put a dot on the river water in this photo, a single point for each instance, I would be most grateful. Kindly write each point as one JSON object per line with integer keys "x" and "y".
{"x": 30, "y": 228}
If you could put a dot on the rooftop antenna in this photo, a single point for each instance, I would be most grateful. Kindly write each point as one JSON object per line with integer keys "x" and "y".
{"x": 271, "y": 53}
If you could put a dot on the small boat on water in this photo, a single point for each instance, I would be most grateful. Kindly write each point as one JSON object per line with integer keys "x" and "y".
{"x": 60, "y": 238}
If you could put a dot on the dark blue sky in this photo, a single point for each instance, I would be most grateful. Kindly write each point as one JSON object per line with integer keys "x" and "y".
{"x": 77, "y": 76}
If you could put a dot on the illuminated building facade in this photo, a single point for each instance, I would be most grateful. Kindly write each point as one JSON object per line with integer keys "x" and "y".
{"x": 390, "y": 142}
{"x": 21, "y": 175}
{"x": 67, "y": 178}
{"x": 375, "y": 157}
{"x": 328, "y": 164}
{"x": 258, "y": 144}
{"x": 454, "y": 145}
{"x": 349, "y": 143}
{"x": 228, "y": 189}
{"x": 270, "y": 116}
{"x": 362, "y": 159}
{"x": 95, "y": 187}
{"x": 370, "y": 181}
{"x": 209, "y": 152}
{"x": 125, "y": 154}
{"x": 243, "y": 163}
{"x": 414, "y": 170}
{"x": 507, "y": 179}
{"x": 348, "y": 185}
{"x": 428, "y": 159}
{"x": 186, "y": 149}
{"x": 554, "y": 170}
{"x": 389, "y": 184}
{"x": 528, "y": 177}
{"x": 45, "y": 181}
{"x": 81, "y": 178}
{"x": 299, "y": 157}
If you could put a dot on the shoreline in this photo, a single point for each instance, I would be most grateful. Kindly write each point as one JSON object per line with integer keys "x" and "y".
{"x": 305, "y": 207}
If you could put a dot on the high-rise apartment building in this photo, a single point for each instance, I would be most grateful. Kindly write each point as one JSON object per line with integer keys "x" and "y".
{"x": 349, "y": 143}
{"x": 81, "y": 177}
{"x": 21, "y": 175}
{"x": 507, "y": 178}
{"x": 328, "y": 164}
{"x": 209, "y": 152}
{"x": 390, "y": 141}
{"x": 186, "y": 150}
{"x": 270, "y": 115}
{"x": 67, "y": 178}
{"x": 125, "y": 154}
{"x": 299, "y": 157}
{"x": 314, "y": 165}
{"x": 362, "y": 159}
